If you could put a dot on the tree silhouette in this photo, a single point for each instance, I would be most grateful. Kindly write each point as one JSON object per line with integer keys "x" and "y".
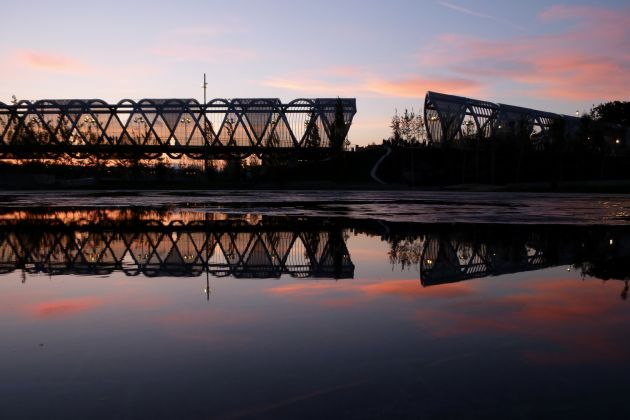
{"x": 615, "y": 112}
{"x": 313, "y": 138}
{"x": 339, "y": 128}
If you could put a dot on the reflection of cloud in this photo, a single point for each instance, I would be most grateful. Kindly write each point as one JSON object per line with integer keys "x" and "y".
{"x": 576, "y": 324}
{"x": 48, "y": 61}
{"x": 209, "y": 325}
{"x": 65, "y": 307}
{"x": 307, "y": 289}
{"x": 346, "y": 294}
{"x": 411, "y": 288}
{"x": 203, "y": 316}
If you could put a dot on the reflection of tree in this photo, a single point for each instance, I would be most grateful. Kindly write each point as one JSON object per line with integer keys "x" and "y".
{"x": 608, "y": 269}
{"x": 311, "y": 243}
{"x": 230, "y": 128}
{"x": 406, "y": 252}
{"x": 337, "y": 250}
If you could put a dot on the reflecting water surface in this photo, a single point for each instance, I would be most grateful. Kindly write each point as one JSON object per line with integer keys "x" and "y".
{"x": 182, "y": 312}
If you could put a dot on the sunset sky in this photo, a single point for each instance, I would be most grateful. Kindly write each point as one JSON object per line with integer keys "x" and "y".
{"x": 387, "y": 54}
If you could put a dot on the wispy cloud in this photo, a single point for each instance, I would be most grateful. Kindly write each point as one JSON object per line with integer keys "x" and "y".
{"x": 475, "y": 13}
{"x": 350, "y": 81}
{"x": 582, "y": 62}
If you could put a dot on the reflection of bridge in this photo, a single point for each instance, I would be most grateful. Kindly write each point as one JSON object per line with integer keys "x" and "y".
{"x": 175, "y": 127}
{"x": 221, "y": 248}
{"x": 451, "y": 256}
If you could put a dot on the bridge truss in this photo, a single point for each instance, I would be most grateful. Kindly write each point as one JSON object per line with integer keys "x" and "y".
{"x": 457, "y": 120}
{"x": 151, "y": 128}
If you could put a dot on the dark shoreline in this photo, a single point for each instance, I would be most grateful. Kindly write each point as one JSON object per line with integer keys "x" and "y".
{"x": 89, "y": 184}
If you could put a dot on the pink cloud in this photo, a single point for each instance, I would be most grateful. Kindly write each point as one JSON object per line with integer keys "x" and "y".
{"x": 589, "y": 60}
{"x": 564, "y": 12}
{"x": 46, "y": 61}
{"x": 417, "y": 87}
{"x": 364, "y": 84}
{"x": 310, "y": 85}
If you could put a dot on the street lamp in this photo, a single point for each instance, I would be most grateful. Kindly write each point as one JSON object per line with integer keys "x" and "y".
{"x": 204, "y": 86}
{"x": 138, "y": 121}
{"x": 186, "y": 121}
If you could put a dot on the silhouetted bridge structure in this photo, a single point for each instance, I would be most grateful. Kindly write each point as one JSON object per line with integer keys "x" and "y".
{"x": 150, "y": 128}
{"x": 176, "y": 248}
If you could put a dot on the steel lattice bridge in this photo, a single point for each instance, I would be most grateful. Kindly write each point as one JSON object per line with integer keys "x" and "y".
{"x": 150, "y": 128}
{"x": 177, "y": 248}
{"x": 451, "y": 119}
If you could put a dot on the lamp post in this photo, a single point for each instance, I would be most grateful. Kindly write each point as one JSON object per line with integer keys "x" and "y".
{"x": 204, "y": 86}
{"x": 138, "y": 121}
{"x": 186, "y": 121}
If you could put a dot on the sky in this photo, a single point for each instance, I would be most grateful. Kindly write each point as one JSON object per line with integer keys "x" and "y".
{"x": 559, "y": 57}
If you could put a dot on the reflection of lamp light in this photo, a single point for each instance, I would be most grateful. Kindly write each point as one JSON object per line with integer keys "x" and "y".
{"x": 433, "y": 118}
{"x": 617, "y": 141}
